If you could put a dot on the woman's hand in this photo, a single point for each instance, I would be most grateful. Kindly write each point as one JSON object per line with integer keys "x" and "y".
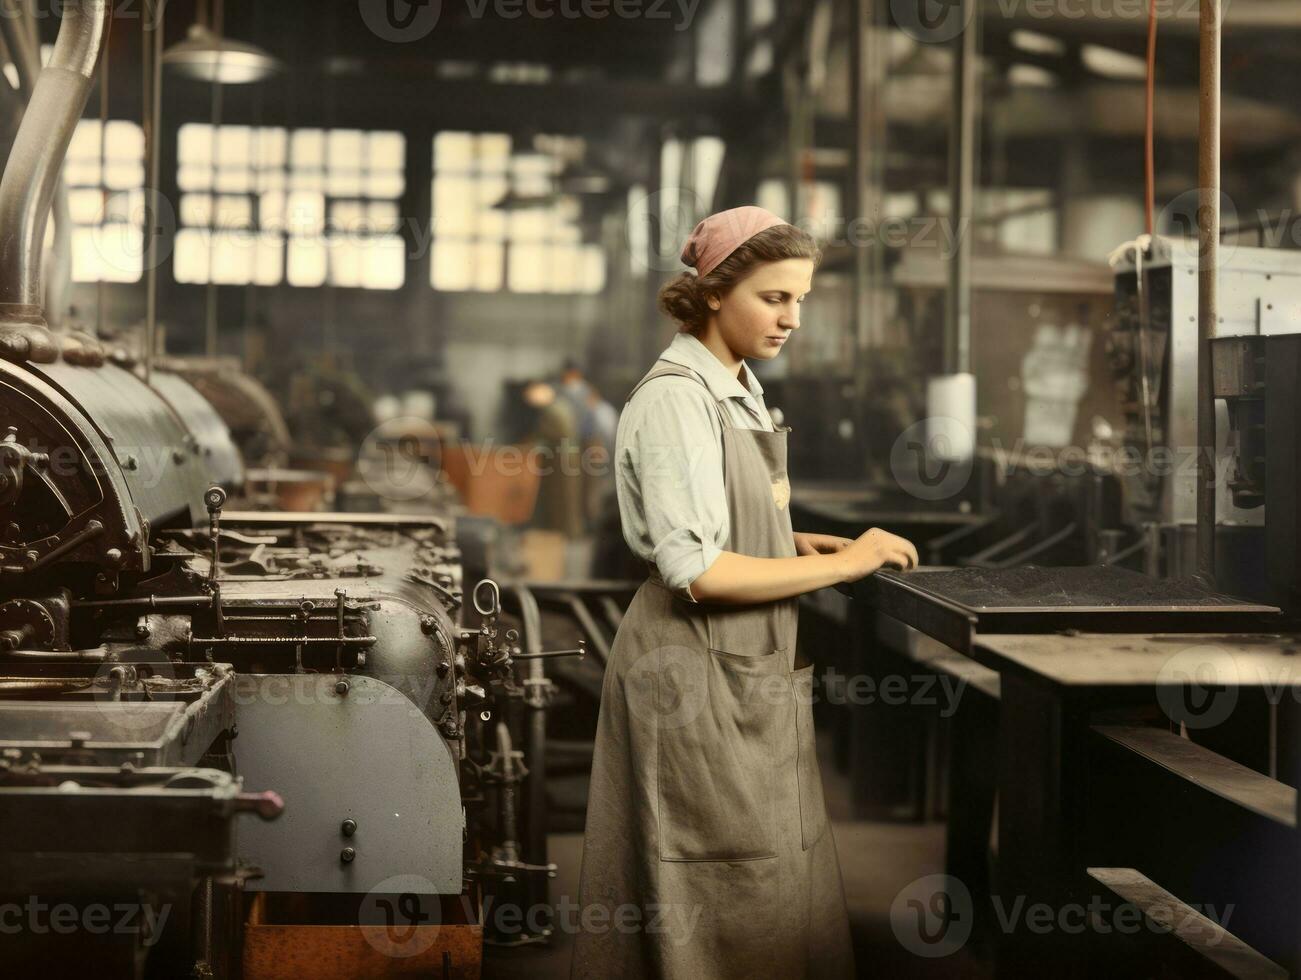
{"x": 820, "y": 544}
{"x": 875, "y": 549}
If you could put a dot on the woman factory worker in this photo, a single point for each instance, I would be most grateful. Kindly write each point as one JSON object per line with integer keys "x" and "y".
{"x": 707, "y": 852}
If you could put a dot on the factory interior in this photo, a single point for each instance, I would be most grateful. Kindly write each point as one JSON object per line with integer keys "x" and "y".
{"x": 317, "y": 583}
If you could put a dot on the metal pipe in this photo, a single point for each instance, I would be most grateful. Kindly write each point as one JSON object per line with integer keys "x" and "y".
{"x": 153, "y": 75}
{"x": 23, "y": 41}
{"x": 1208, "y": 234}
{"x": 57, "y": 271}
{"x": 47, "y": 684}
{"x": 56, "y": 656}
{"x": 32, "y": 171}
{"x": 962, "y": 173}
{"x": 535, "y": 730}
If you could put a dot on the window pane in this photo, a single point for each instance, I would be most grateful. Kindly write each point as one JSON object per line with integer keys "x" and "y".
{"x": 385, "y": 184}
{"x": 384, "y": 217}
{"x": 306, "y": 213}
{"x": 453, "y": 264}
{"x": 120, "y": 176}
{"x": 190, "y": 257}
{"x": 235, "y": 180}
{"x": 564, "y": 269}
{"x": 527, "y": 272}
{"x": 494, "y": 153}
{"x": 346, "y": 255}
{"x": 307, "y": 180}
{"x": 119, "y": 248}
{"x": 194, "y": 178}
{"x": 387, "y": 151}
{"x": 195, "y": 144}
{"x": 269, "y": 267}
{"x": 530, "y": 224}
{"x": 348, "y": 217}
{"x": 592, "y": 274}
{"x": 525, "y": 165}
{"x": 343, "y": 182}
{"x": 454, "y": 205}
{"x": 196, "y": 210}
{"x": 269, "y": 180}
{"x": 385, "y": 263}
{"x": 270, "y": 147}
{"x": 307, "y": 262}
{"x": 234, "y": 147}
{"x": 124, "y": 141}
{"x": 86, "y": 205}
{"x": 453, "y": 151}
{"x": 232, "y": 257}
{"x": 85, "y": 141}
{"x": 345, "y": 148}
{"x": 234, "y": 212}
{"x": 82, "y": 173}
{"x": 307, "y": 148}
{"x": 488, "y": 260}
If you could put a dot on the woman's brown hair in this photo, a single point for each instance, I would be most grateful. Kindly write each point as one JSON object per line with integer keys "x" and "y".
{"x": 685, "y": 296}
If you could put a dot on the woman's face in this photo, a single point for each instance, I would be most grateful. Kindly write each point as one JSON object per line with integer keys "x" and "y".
{"x": 762, "y": 310}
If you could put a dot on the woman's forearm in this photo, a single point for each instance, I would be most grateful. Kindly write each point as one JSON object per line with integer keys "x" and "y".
{"x": 744, "y": 579}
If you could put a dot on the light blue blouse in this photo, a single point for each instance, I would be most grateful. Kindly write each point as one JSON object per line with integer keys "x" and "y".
{"x": 669, "y": 462}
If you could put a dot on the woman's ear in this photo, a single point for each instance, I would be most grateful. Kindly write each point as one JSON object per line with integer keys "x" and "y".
{"x": 714, "y": 302}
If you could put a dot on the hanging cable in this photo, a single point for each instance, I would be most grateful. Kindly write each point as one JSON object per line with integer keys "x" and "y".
{"x": 103, "y": 166}
{"x": 1149, "y": 161}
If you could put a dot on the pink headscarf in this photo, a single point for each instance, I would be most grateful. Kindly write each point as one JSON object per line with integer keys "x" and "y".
{"x": 718, "y": 236}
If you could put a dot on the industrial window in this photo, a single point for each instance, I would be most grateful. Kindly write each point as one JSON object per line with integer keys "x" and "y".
{"x": 307, "y": 206}
{"x": 500, "y": 219}
{"x": 105, "y": 176}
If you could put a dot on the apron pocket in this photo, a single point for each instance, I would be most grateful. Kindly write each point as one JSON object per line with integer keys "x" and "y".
{"x": 716, "y": 763}
{"x": 813, "y": 808}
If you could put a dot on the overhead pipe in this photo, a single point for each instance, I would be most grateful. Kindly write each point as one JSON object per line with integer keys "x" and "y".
{"x": 1208, "y": 235}
{"x": 18, "y": 28}
{"x": 36, "y": 159}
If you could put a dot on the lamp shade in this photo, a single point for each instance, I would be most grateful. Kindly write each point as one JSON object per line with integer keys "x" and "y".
{"x": 209, "y": 57}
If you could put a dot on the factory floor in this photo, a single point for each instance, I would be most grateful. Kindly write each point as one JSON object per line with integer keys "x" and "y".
{"x": 877, "y": 861}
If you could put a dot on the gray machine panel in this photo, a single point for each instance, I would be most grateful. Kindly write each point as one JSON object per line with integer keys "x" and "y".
{"x": 1259, "y": 294}
{"x": 369, "y": 756}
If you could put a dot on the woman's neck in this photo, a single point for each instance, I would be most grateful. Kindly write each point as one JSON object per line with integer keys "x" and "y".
{"x": 714, "y": 343}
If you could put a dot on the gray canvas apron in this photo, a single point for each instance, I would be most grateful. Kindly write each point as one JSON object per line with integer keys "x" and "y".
{"x": 707, "y": 851}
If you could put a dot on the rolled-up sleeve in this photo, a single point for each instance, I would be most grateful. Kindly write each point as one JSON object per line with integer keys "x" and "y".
{"x": 672, "y": 502}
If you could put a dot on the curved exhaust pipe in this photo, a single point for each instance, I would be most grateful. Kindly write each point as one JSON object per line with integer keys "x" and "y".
{"x": 32, "y": 172}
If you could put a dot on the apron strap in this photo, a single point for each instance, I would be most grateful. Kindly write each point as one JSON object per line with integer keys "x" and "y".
{"x": 667, "y": 369}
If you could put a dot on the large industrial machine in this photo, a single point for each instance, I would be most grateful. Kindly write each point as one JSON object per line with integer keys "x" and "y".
{"x": 1153, "y": 351}
{"x": 228, "y": 740}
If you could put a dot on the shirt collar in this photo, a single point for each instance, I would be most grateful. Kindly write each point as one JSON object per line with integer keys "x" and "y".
{"x": 687, "y": 351}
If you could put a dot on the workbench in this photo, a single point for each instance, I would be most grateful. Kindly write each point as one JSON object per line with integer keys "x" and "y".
{"x": 1078, "y": 789}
